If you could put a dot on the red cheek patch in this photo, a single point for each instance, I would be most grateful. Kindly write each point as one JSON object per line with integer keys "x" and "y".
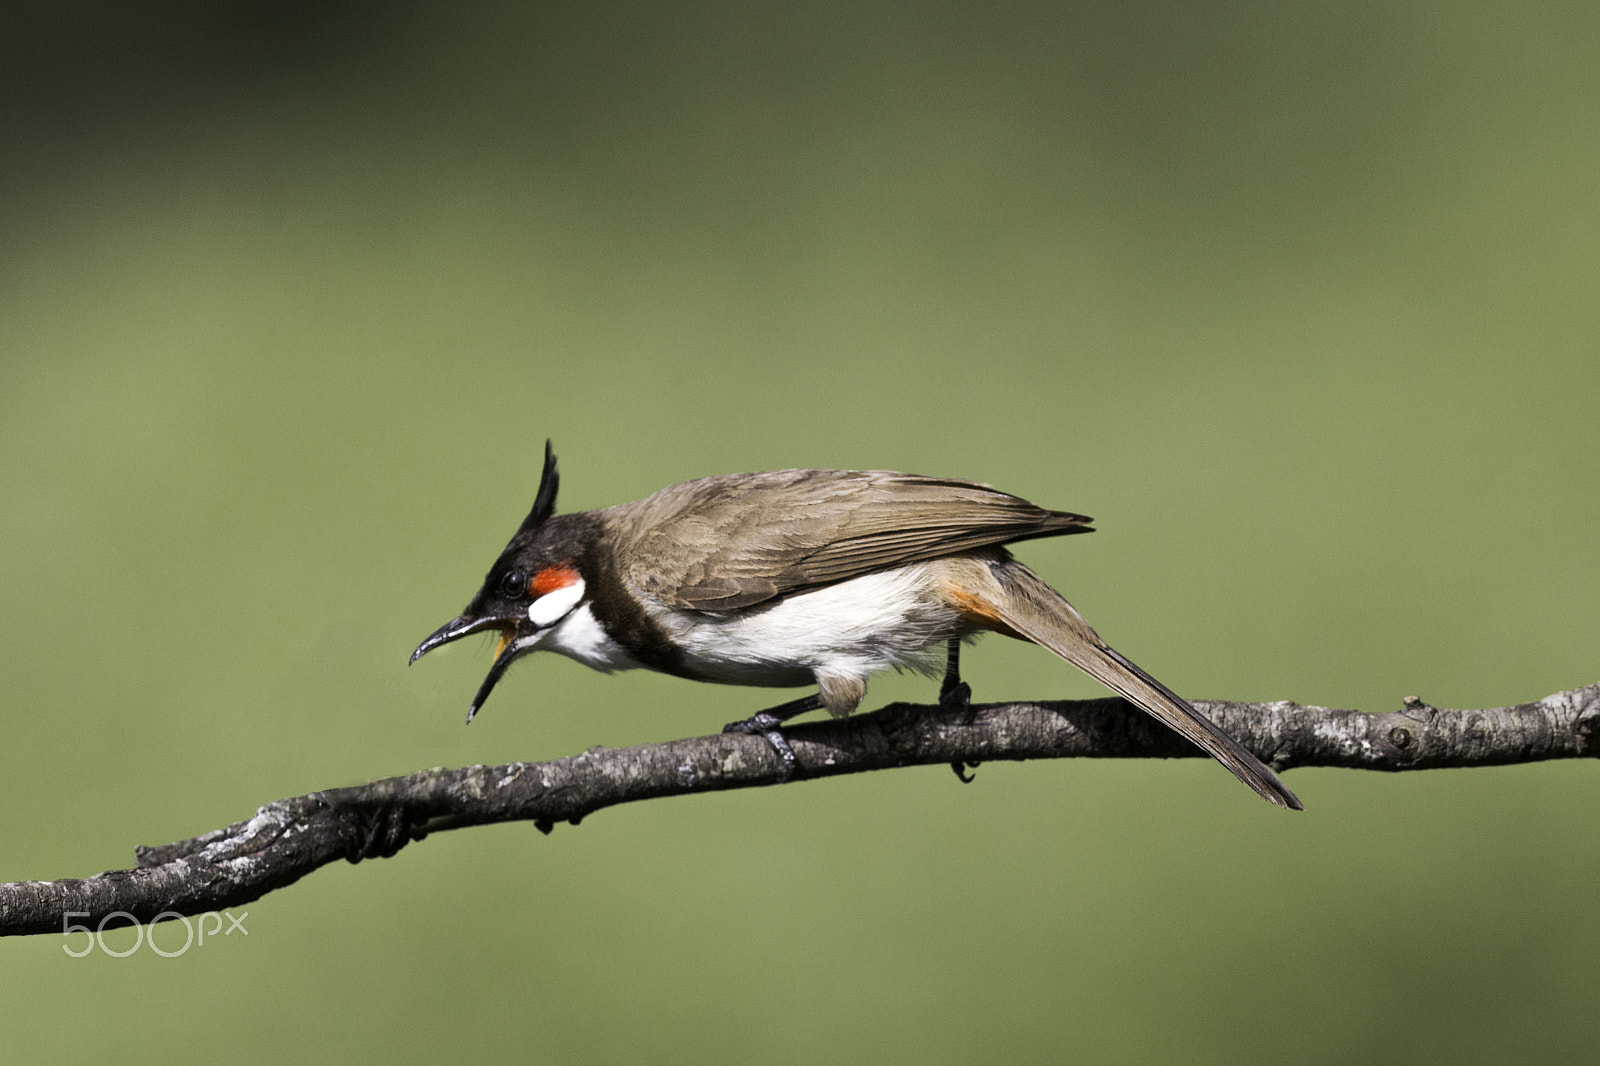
{"x": 551, "y": 578}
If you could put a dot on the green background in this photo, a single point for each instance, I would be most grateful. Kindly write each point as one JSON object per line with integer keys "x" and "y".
{"x": 1299, "y": 301}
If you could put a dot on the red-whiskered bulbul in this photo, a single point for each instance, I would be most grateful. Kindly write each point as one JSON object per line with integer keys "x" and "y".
{"x": 800, "y": 577}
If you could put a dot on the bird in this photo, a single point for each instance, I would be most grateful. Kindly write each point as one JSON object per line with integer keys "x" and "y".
{"x": 801, "y": 577}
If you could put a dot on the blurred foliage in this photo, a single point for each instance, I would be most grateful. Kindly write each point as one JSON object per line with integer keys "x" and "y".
{"x": 1296, "y": 300}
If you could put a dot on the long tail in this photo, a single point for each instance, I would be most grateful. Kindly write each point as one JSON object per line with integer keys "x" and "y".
{"x": 1026, "y": 607}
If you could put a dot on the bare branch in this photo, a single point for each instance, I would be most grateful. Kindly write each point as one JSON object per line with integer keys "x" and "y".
{"x": 288, "y": 839}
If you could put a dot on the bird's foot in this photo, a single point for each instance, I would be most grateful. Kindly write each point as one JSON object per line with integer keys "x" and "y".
{"x": 766, "y": 725}
{"x": 957, "y": 697}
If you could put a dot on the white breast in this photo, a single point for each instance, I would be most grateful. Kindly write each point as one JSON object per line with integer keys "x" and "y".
{"x": 894, "y": 618}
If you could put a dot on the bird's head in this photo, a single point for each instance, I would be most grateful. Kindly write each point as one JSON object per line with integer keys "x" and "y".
{"x": 534, "y": 584}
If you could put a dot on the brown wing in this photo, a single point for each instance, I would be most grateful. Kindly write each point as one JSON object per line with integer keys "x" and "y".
{"x": 722, "y": 543}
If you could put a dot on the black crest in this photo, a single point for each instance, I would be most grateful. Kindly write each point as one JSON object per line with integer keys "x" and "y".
{"x": 544, "y": 502}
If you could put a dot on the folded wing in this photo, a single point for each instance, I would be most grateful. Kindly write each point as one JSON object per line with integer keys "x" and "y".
{"x": 723, "y": 543}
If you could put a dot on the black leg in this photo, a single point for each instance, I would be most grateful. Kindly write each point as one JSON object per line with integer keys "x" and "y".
{"x": 956, "y": 695}
{"x": 767, "y": 722}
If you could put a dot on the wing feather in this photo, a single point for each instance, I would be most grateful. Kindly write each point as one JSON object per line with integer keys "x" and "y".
{"x": 722, "y": 543}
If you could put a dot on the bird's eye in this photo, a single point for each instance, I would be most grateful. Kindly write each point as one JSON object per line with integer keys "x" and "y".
{"x": 514, "y": 585}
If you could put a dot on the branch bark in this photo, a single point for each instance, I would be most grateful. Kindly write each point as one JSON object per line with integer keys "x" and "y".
{"x": 289, "y": 838}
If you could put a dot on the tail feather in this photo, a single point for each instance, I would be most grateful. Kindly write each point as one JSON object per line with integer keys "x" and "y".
{"x": 1037, "y": 612}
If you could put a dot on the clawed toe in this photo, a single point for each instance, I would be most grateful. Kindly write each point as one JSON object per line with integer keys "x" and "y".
{"x": 765, "y": 726}
{"x": 758, "y": 723}
{"x": 956, "y": 697}
{"x": 961, "y": 768}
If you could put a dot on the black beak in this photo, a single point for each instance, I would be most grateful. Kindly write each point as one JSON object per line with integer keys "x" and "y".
{"x": 502, "y": 661}
{"x": 457, "y": 628}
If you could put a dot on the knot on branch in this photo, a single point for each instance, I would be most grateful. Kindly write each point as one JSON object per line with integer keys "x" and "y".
{"x": 1586, "y": 729}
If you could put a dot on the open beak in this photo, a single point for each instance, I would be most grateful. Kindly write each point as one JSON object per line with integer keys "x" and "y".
{"x": 457, "y": 628}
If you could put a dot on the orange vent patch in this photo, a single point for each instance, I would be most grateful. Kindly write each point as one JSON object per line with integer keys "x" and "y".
{"x": 978, "y": 610}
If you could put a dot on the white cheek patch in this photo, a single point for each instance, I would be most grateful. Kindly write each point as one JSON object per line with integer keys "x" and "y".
{"x": 554, "y": 605}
